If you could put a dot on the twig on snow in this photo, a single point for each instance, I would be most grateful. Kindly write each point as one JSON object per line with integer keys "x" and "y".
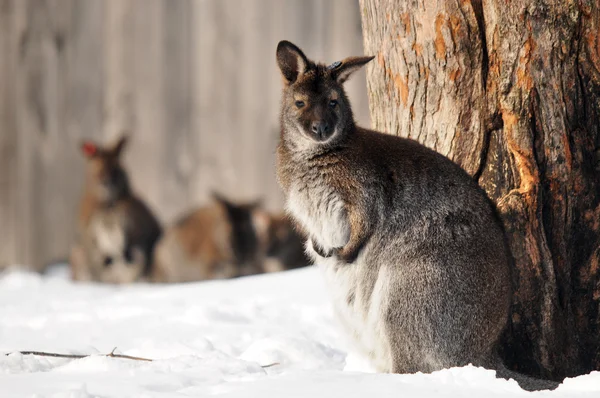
{"x": 270, "y": 365}
{"x": 76, "y": 356}
{"x": 110, "y": 355}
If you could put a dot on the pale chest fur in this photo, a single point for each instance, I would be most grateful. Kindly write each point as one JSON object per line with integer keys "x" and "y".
{"x": 108, "y": 262}
{"x": 360, "y": 311}
{"x": 321, "y": 212}
{"x": 107, "y": 234}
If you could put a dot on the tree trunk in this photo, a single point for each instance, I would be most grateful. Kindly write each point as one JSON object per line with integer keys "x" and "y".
{"x": 510, "y": 90}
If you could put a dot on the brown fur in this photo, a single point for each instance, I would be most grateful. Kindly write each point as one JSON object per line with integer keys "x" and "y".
{"x": 221, "y": 240}
{"x": 409, "y": 244}
{"x": 116, "y": 230}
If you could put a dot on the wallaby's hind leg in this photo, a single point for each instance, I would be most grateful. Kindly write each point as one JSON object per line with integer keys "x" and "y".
{"x": 525, "y": 382}
{"x": 406, "y": 367}
{"x": 412, "y": 359}
{"x": 431, "y": 324}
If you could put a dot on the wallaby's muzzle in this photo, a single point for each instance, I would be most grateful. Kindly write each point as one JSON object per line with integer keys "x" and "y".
{"x": 321, "y": 130}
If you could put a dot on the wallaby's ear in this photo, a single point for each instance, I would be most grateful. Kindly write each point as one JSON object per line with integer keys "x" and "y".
{"x": 256, "y": 204}
{"x": 291, "y": 60}
{"x": 89, "y": 149}
{"x": 250, "y": 206}
{"x": 118, "y": 147}
{"x": 222, "y": 200}
{"x": 341, "y": 71}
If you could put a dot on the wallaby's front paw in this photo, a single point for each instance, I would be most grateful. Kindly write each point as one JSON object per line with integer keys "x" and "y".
{"x": 346, "y": 254}
{"x": 319, "y": 250}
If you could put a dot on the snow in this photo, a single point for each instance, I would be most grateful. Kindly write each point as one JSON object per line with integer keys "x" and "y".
{"x": 207, "y": 339}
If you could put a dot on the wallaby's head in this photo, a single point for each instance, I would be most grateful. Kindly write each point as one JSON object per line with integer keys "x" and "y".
{"x": 285, "y": 243}
{"x": 106, "y": 178}
{"x": 315, "y": 109}
{"x": 249, "y": 229}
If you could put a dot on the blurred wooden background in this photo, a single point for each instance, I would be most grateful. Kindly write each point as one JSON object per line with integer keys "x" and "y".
{"x": 195, "y": 81}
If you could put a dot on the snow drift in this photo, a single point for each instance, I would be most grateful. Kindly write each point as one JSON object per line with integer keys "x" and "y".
{"x": 206, "y": 339}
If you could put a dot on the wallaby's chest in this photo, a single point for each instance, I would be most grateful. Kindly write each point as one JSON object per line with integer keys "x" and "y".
{"x": 107, "y": 233}
{"x": 320, "y": 210}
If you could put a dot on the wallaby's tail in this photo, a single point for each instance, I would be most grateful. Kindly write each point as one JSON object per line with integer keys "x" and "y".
{"x": 525, "y": 382}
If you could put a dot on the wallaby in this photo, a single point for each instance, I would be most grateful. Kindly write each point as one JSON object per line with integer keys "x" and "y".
{"x": 409, "y": 244}
{"x": 117, "y": 231}
{"x": 217, "y": 241}
{"x": 285, "y": 245}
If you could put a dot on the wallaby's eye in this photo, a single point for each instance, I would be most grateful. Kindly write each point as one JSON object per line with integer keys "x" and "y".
{"x": 333, "y": 103}
{"x": 300, "y": 104}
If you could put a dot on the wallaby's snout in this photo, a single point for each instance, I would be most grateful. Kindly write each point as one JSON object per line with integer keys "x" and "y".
{"x": 317, "y": 113}
{"x": 111, "y": 180}
{"x": 110, "y": 175}
{"x": 321, "y": 130}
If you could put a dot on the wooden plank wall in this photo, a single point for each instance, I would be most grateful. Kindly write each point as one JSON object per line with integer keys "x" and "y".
{"x": 194, "y": 81}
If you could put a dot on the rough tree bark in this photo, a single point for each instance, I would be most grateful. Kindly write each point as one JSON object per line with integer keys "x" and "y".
{"x": 510, "y": 90}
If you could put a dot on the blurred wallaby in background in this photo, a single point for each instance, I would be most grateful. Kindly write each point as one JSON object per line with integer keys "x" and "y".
{"x": 221, "y": 240}
{"x": 116, "y": 230}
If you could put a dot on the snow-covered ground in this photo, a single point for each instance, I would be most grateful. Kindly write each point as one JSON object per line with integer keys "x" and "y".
{"x": 207, "y": 339}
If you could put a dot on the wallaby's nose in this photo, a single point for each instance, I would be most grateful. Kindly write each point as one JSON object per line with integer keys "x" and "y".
{"x": 320, "y": 129}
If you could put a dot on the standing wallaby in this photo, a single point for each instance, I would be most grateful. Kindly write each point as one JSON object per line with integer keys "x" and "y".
{"x": 117, "y": 232}
{"x": 285, "y": 245}
{"x": 409, "y": 244}
{"x": 217, "y": 241}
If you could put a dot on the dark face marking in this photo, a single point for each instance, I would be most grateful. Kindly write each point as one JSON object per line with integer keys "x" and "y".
{"x": 110, "y": 180}
{"x": 316, "y": 105}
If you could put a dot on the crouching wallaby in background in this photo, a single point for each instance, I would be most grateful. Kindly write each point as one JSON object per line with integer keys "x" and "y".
{"x": 286, "y": 246}
{"x": 221, "y": 240}
{"x": 117, "y": 232}
{"x": 408, "y": 243}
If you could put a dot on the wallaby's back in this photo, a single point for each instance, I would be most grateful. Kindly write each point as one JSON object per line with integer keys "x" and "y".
{"x": 436, "y": 246}
{"x": 220, "y": 240}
